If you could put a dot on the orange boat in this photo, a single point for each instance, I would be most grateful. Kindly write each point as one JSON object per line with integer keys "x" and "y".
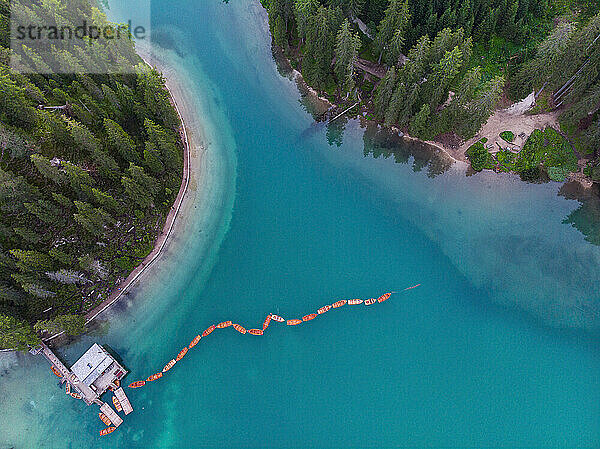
{"x": 340, "y": 303}
{"x": 370, "y": 301}
{"x": 209, "y": 330}
{"x": 267, "y": 322}
{"x": 255, "y": 331}
{"x": 169, "y": 365}
{"x": 117, "y": 382}
{"x": 224, "y": 324}
{"x": 68, "y": 388}
{"x": 154, "y": 377}
{"x": 75, "y": 395}
{"x": 181, "y": 353}
{"x": 384, "y": 297}
{"x": 138, "y": 384}
{"x": 195, "y": 341}
{"x": 117, "y": 404}
{"x": 277, "y": 318}
{"x": 240, "y": 329}
{"x": 312, "y": 316}
{"x": 323, "y": 309}
{"x": 104, "y": 418}
{"x": 55, "y": 371}
{"x": 107, "y": 430}
{"x": 293, "y": 322}
{"x": 354, "y": 302}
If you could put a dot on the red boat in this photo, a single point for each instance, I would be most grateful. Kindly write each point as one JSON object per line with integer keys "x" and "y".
{"x": 107, "y": 430}
{"x": 255, "y": 331}
{"x": 323, "y": 309}
{"x": 195, "y": 341}
{"x": 239, "y": 328}
{"x": 209, "y": 330}
{"x": 224, "y": 324}
{"x": 384, "y": 297}
{"x": 312, "y": 316}
{"x": 117, "y": 404}
{"x": 169, "y": 365}
{"x": 340, "y": 303}
{"x": 138, "y": 384}
{"x": 267, "y": 322}
{"x": 293, "y": 322}
{"x": 154, "y": 377}
{"x": 104, "y": 418}
{"x": 181, "y": 354}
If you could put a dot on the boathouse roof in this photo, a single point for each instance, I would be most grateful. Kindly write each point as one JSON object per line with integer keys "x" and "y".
{"x": 92, "y": 364}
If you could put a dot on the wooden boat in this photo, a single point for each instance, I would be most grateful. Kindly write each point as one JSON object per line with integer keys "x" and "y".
{"x": 323, "y": 309}
{"x": 75, "y": 395}
{"x": 239, "y": 328}
{"x": 117, "y": 404}
{"x": 384, "y": 297}
{"x": 339, "y": 303}
{"x": 169, "y": 365}
{"x": 55, "y": 371}
{"x": 255, "y": 331}
{"x": 195, "y": 341}
{"x": 209, "y": 330}
{"x": 293, "y": 322}
{"x": 107, "y": 430}
{"x": 312, "y": 316}
{"x": 154, "y": 377}
{"x": 181, "y": 353}
{"x": 267, "y": 322}
{"x": 354, "y": 302}
{"x": 370, "y": 301}
{"x": 138, "y": 384}
{"x": 104, "y": 419}
{"x": 224, "y": 324}
{"x": 277, "y": 318}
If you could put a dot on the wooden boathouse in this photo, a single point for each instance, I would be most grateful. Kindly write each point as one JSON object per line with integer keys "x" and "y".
{"x": 96, "y": 372}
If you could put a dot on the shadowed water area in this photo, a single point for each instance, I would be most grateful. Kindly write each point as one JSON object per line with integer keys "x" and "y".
{"x": 498, "y": 347}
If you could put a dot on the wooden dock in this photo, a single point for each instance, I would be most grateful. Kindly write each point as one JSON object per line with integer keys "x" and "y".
{"x": 124, "y": 400}
{"x": 88, "y": 395}
{"x": 111, "y": 414}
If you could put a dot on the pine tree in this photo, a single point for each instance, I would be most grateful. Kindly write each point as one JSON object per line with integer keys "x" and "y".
{"x": 346, "y": 53}
{"x": 46, "y": 169}
{"x": 120, "y": 142}
{"x": 384, "y": 93}
{"x": 392, "y": 28}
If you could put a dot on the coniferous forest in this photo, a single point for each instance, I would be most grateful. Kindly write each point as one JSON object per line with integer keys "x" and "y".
{"x": 441, "y": 67}
{"x": 89, "y": 167}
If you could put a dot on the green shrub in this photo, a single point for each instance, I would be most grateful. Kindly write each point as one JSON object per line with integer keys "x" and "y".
{"x": 479, "y": 157}
{"x": 549, "y": 150}
{"x": 507, "y": 136}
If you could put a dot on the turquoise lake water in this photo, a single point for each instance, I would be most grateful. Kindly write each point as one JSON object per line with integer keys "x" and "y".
{"x": 497, "y": 348}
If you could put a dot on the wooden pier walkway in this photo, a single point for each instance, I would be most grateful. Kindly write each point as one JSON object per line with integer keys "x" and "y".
{"x": 124, "y": 400}
{"x": 111, "y": 414}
